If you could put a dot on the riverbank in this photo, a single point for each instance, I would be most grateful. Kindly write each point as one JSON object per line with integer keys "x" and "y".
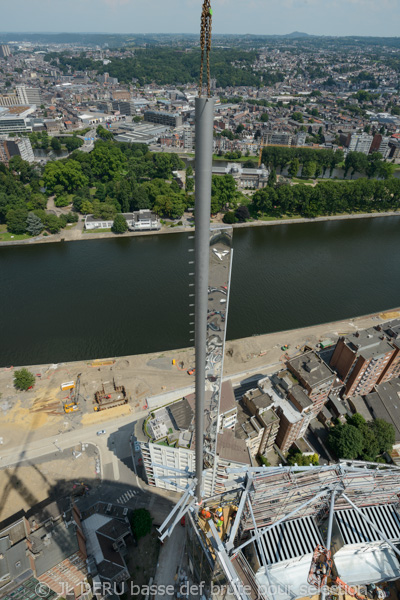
{"x": 40, "y": 410}
{"x": 78, "y": 234}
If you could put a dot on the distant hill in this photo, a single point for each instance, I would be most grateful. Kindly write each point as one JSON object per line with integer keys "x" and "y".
{"x": 297, "y": 34}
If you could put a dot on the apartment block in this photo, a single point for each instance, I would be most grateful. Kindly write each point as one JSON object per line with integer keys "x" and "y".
{"x": 315, "y": 376}
{"x": 16, "y": 147}
{"x": 167, "y": 444}
{"x": 359, "y": 142}
{"x": 29, "y": 95}
{"x": 5, "y": 51}
{"x": 262, "y": 418}
{"x": 293, "y": 422}
{"x": 164, "y": 118}
{"x": 360, "y": 359}
{"x": 9, "y": 100}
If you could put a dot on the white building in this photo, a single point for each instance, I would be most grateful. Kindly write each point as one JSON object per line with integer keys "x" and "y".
{"x": 140, "y": 220}
{"x": 28, "y": 95}
{"x": 360, "y": 142}
{"x": 14, "y": 119}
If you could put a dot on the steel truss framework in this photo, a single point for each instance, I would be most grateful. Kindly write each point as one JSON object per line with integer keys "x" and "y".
{"x": 270, "y": 496}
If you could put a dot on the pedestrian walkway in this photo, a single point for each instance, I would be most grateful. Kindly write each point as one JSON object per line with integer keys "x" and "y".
{"x": 124, "y": 498}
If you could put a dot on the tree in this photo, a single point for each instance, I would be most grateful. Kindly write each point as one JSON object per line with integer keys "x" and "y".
{"x": 229, "y": 218}
{"x": 34, "y": 225}
{"x": 169, "y": 205}
{"x": 302, "y": 460}
{"x": 52, "y": 223}
{"x": 120, "y": 225}
{"x": 55, "y": 144}
{"x": 223, "y": 192}
{"x": 297, "y": 116}
{"x": 61, "y": 201}
{"x": 86, "y": 206}
{"x": 141, "y": 522}
{"x": 384, "y": 434}
{"x": 104, "y": 134}
{"x": 189, "y": 179}
{"x": 242, "y": 214}
{"x": 73, "y": 143}
{"x": 346, "y": 441}
{"x": 294, "y": 167}
{"x": 264, "y": 117}
{"x": 16, "y": 220}
{"x": 23, "y": 379}
{"x": 68, "y": 174}
{"x": 272, "y": 178}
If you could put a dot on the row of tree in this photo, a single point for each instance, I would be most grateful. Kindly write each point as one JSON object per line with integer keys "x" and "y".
{"x": 314, "y": 163}
{"x": 327, "y": 198}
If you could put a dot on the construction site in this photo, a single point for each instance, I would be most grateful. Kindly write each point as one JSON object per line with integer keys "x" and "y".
{"x": 298, "y": 532}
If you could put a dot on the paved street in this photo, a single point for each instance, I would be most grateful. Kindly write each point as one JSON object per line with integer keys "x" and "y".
{"x": 169, "y": 561}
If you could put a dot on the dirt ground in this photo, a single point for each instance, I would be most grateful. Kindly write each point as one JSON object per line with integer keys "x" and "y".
{"x": 22, "y": 487}
{"x": 40, "y": 412}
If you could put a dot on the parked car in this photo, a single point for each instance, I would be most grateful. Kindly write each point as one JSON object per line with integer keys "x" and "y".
{"x": 101, "y": 432}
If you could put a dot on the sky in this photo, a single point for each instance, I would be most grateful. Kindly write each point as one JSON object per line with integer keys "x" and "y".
{"x": 318, "y": 17}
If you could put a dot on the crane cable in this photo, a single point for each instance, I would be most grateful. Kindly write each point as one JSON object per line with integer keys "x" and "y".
{"x": 205, "y": 44}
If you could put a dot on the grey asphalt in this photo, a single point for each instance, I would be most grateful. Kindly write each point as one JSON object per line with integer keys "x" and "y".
{"x": 169, "y": 560}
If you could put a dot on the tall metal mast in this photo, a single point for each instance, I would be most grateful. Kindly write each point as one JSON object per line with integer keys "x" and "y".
{"x": 204, "y": 118}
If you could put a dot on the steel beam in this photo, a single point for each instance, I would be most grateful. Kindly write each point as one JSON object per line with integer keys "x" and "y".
{"x": 204, "y": 119}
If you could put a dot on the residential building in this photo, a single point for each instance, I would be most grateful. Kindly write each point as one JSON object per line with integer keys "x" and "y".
{"x": 5, "y": 51}
{"x": 167, "y": 441}
{"x": 293, "y": 422}
{"x": 359, "y": 142}
{"x": 360, "y": 359}
{"x": 29, "y": 95}
{"x": 314, "y": 375}
{"x": 48, "y": 544}
{"x": 188, "y": 137}
{"x": 9, "y": 100}
{"x": 16, "y": 147}
{"x": 164, "y": 118}
{"x": 276, "y": 138}
{"x": 259, "y": 422}
{"x": 383, "y": 403}
{"x": 140, "y": 220}
{"x": 125, "y": 107}
{"x": 121, "y": 95}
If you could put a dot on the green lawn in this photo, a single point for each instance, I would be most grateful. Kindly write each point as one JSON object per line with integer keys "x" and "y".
{"x": 299, "y": 180}
{"x": 108, "y": 230}
{"x": 5, "y": 236}
{"x": 241, "y": 159}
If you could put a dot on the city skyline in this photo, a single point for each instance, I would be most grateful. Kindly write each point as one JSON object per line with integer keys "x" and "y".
{"x": 327, "y": 17}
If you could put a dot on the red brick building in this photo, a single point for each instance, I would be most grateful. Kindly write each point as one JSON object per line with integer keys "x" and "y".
{"x": 315, "y": 377}
{"x": 362, "y": 359}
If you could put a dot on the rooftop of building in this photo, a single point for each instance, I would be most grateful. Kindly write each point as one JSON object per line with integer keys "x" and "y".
{"x": 53, "y": 545}
{"x": 368, "y": 343}
{"x": 300, "y": 397}
{"x": 232, "y": 449}
{"x": 311, "y": 368}
{"x": 384, "y": 403}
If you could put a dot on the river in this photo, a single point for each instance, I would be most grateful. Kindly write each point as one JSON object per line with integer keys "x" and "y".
{"x": 99, "y": 298}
